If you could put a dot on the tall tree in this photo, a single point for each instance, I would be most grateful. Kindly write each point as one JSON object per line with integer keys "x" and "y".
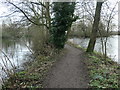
{"x": 63, "y": 18}
{"x": 92, "y": 41}
{"x": 36, "y": 12}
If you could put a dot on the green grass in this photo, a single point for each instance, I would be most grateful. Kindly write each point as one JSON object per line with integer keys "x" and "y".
{"x": 104, "y": 73}
{"x": 34, "y": 74}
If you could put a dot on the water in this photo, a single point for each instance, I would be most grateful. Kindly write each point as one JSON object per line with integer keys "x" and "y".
{"x": 16, "y": 51}
{"x": 112, "y": 46}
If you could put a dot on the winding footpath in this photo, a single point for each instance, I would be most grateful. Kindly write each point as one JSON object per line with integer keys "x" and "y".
{"x": 69, "y": 71}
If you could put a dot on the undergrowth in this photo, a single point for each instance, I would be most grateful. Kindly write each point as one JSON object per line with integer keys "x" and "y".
{"x": 43, "y": 56}
{"x": 33, "y": 75}
{"x": 104, "y": 73}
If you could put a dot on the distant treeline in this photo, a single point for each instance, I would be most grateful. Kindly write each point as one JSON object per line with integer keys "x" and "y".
{"x": 14, "y": 30}
{"x": 84, "y": 30}
{"x": 87, "y": 34}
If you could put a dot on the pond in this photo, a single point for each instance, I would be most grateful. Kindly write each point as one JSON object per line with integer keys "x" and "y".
{"x": 112, "y": 45}
{"x": 14, "y": 53}
{"x": 16, "y": 50}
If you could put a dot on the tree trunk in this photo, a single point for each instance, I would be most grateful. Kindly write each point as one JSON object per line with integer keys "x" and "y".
{"x": 95, "y": 27}
{"x": 48, "y": 17}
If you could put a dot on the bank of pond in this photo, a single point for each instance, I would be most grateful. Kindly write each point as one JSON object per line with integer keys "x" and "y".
{"x": 18, "y": 52}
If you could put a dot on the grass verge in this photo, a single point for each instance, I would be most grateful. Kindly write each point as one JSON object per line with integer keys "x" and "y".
{"x": 104, "y": 73}
{"x": 34, "y": 73}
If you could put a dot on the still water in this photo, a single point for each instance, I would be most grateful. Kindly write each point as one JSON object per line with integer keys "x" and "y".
{"x": 14, "y": 53}
{"x": 112, "y": 45}
{"x": 16, "y": 50}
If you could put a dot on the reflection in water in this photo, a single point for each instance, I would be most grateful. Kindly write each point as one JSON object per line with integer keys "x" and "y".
{"x": 112, "y": 46}
{"x": 16, "y": 51}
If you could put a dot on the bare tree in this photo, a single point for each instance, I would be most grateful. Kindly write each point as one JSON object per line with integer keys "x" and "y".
{"x": 92, "y": 41}
{"x": 36, "y": 12}
{"x": 107, "y": 19}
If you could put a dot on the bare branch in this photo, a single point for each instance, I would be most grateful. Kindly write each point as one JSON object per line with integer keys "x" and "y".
{"x": 8, "y": 14}
{"x": 40, "y": 3}
{"x": 39, "y": 24}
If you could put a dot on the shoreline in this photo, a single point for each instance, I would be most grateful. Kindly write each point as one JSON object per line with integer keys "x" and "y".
{"x": 37, "y": 70}
{"x": 103, "y": 73}
{"x": 33, "y": 74}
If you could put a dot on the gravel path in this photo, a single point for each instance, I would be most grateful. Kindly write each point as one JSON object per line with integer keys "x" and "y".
{"x": 68, "y": 72}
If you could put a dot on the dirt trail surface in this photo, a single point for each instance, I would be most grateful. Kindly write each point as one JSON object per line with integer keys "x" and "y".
{"x": 69, "y": 71}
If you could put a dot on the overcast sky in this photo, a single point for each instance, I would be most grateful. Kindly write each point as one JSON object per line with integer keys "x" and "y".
{"x": 4, "y": 9}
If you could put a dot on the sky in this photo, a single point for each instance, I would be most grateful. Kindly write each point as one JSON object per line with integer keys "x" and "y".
{"x": 4, "y": 9}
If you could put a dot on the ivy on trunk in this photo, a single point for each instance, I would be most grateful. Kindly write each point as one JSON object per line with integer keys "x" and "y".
{"x": 63, "y": 16}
